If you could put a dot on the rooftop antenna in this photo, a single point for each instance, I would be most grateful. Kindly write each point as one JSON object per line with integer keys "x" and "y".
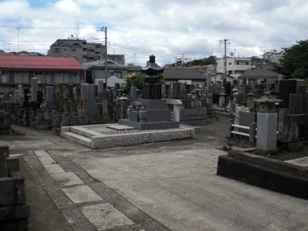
{"x": 77, "y": 32}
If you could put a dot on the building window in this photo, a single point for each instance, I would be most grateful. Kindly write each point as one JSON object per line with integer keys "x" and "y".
{"x": 238, "y": 63}
{"x": 4, "y": 79}
{"x": 247, "y": 63}
{"x": 230, "y": 63}
{"x": 73, "y": 50}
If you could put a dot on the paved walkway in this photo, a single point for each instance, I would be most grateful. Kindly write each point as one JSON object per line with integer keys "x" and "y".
{"x": 162, "y": 186}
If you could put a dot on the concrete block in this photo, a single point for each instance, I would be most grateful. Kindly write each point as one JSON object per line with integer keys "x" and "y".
{"x": 4, "y": 153}
{"x": 12, "y": 191}
{"x": 21, "y": 224}
{"x": 12, "y": 164}
{"x": 65, "y": 129}
{"x": 10, "y": 213}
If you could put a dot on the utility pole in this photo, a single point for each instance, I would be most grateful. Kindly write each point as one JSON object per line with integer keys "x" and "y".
{"x": 105, "y": 30}
{"x": 225, "y": 42}
{"x": 18, "y": 29}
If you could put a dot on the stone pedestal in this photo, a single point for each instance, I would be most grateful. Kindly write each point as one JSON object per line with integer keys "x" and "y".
{"x": 157, "y": 115}
{"x": 266, "y": 133}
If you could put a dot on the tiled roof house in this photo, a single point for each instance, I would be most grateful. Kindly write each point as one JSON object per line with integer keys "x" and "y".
{"x": 15, "y": 70}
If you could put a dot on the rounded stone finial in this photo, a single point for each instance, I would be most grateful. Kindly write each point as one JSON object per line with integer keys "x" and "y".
{"x": 152, "y": 59}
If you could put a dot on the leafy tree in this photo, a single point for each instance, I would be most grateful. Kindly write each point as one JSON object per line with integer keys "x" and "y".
{"x": 138, "y": 78}
{"x": 201, "y": 62}
{"x": 295, "y": 61}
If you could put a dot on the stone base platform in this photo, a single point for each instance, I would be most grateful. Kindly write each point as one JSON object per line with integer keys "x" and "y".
{"x": 150, "y": 125}
{"x": 100, "y": 136}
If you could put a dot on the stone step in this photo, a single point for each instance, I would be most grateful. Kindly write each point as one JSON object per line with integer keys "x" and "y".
{"x": 84, "y": 131}
{"x": 77, "y": 138}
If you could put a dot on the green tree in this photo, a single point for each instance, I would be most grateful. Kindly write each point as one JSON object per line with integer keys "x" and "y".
{"x": 295, "y": 61}
{"x": 201, "y": 62}
{"x": 138, "y": 78}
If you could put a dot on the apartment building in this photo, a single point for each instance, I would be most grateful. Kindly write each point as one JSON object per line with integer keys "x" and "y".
{"x": 273, "y": 56}
{"x": 82, "y": 51}
{"x": 235, "y": 66}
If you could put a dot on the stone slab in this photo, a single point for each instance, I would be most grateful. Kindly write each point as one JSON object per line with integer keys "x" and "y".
{"x": 77, "y": 138}
{"x": 53, "y": 169}
{"x": 150, "y": 125}
{"x": 105, "y": 216}
{"x": 67, "y": 179}
{"x": 120, "y": 127}
{"x": 299, "y": 161}
{"x": 46, "y": 160}
{"x": 81, "y": 194}
{"x": 41, "y": 153}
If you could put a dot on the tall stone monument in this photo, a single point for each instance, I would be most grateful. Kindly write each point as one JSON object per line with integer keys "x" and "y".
{"x": 267, "y": 121}
{"x": 150, "y": 112}
{"x": 34, "y": 89}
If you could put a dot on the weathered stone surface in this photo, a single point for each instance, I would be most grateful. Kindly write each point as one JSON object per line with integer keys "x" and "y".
{"x": 53, "y": 168}
{"x": 105, "y": 216}
{"x": 81, "y": 194}
{"x": 67, "y": 179}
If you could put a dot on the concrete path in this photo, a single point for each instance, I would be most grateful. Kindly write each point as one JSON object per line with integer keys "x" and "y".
{"x": 162, "y": 186}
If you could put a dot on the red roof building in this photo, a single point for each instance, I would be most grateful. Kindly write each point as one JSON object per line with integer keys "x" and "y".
{"x": 15, "y": 70}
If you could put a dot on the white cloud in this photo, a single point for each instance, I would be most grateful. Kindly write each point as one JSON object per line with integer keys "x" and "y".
{"x": 168, "y": 28}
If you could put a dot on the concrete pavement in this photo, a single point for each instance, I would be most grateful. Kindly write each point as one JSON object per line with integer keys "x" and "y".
{"x": 161, "y": 186}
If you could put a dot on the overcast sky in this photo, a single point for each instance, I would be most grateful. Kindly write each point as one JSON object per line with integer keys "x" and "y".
{"x": 165, "y": 28}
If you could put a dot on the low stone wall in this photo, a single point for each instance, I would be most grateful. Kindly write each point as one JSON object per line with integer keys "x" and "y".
{"x": 264, "y": 172}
